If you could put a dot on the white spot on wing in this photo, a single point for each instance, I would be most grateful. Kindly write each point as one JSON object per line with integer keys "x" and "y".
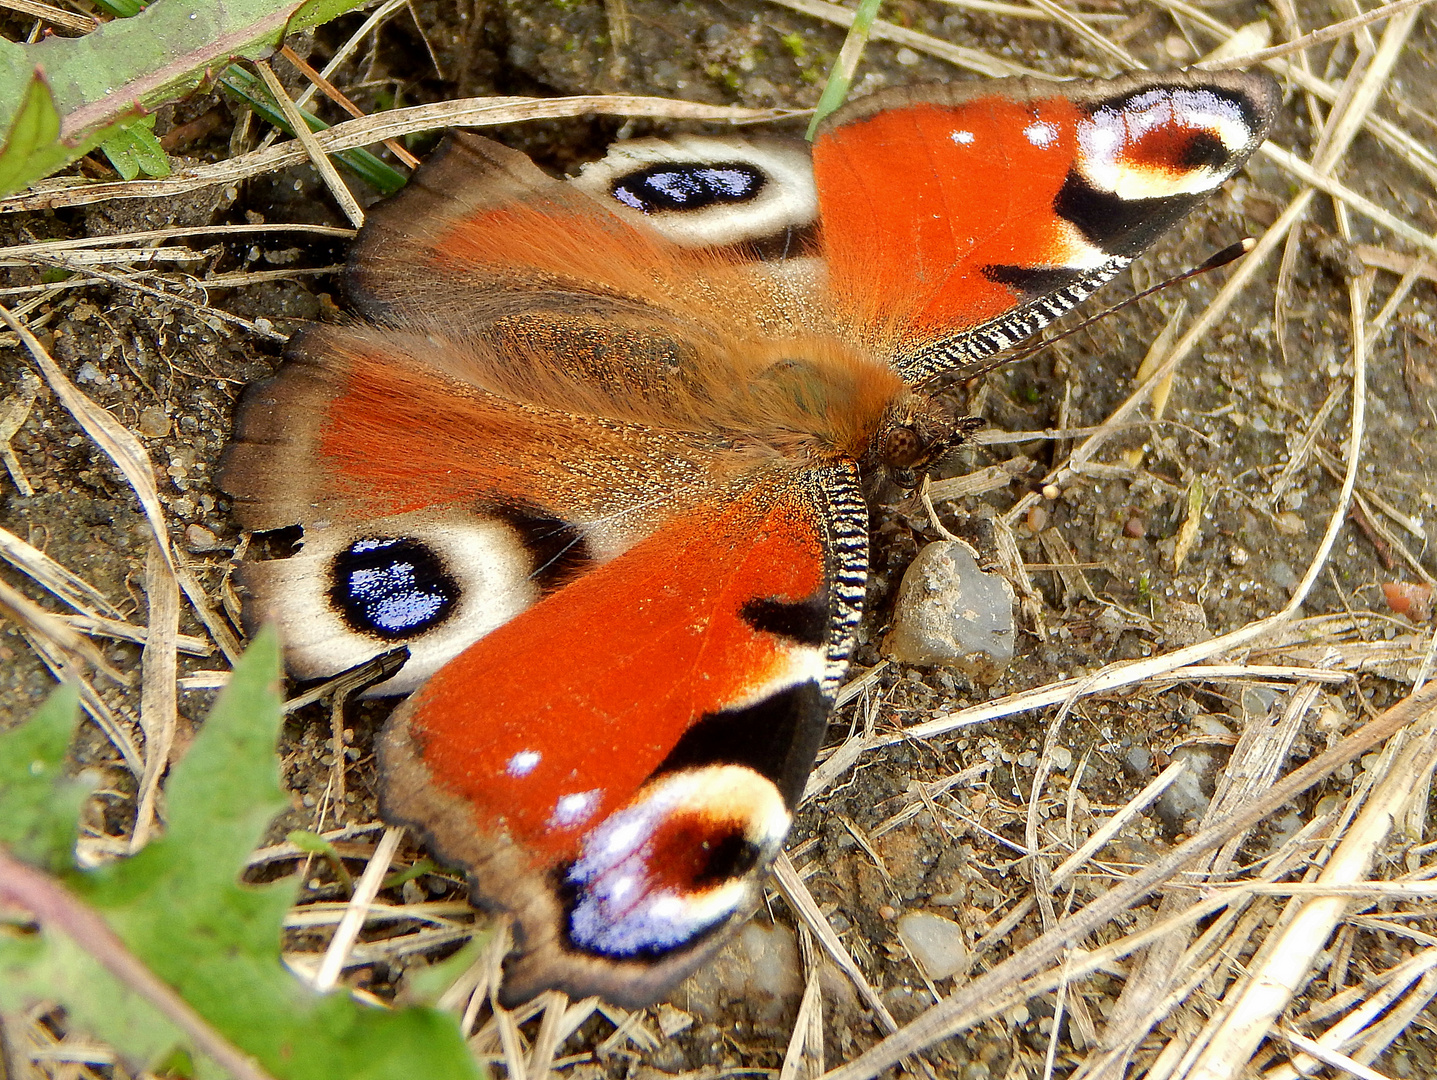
{"x": 962, "y": 138}
{"x": 573, "y": 809}
{"x": 522, "y": 763}
{"x": 1041, "y": 133}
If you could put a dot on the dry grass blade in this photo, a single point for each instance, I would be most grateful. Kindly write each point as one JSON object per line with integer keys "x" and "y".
{"x": 332, "y": 92}
{"x": 1286, "y": 959}
{"x": 14, "y": 411}
{"x": 306, "y": 139}
{"x": 345, "y": 935}
{"x": 1103, "y": 45}
{"x": 111, "y": 436}
{"x": 1328, "y": 1056}
{"x": 1318, "y": 37}
{"x": 1360, "y": 203}
{"x": 957, "y": 55}
{"x": 64, "y": 639}
{"x": 66, "y": 20}
{"x": 170, "y": 296}
{"x": 129, "y": 456}
{"x": 351, "y": 134}
{"x": 56, "y": 579}
{"x": 158, "y": 675}
{"x": 796, "y": 1058}
{"x": 791, "y": 885}
{"x": 150, "y": 236}
{"x": 984, "y": 995}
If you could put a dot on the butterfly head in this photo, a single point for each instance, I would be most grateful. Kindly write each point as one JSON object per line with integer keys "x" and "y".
{"x": 915, "y": 434}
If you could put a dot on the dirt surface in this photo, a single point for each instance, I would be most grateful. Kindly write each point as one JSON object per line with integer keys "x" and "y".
{"x": 876, "y": 845}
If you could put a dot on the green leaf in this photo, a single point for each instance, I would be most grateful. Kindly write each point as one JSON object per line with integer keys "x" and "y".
{"x": 126, "y": 67}
{"x": 121, "y": 9}
{"x": 180, "y": 908}
{"x": 318, "y": 12}
{"x": 135, "y": 150}
{"x": 31, "y": 142}
{"x": 39, "y": 805}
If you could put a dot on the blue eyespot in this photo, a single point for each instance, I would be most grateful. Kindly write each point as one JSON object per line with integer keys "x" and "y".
{"x": 392, "y": 587}
{"x": 688, "y": 186}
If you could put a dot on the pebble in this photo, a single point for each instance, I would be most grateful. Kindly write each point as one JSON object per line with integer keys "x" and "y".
{"x": 1182, "y": 805}
{"x": 934, "y": 942}
{"x": 154, "y": 422}
{"x": 198, "y": 538}
{"x": 1139, "y": 760}
{"x": 1185, "y": 624}
{"x": 951, "y": 614}
{"x": 1136, "y": 527}
{"x": 1290, "y": 523}
{"x": 1283, "y": 576}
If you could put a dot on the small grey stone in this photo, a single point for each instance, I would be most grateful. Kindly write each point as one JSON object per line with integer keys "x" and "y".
{"x": 934, "y": 942}
{"x": 952, "y": 614}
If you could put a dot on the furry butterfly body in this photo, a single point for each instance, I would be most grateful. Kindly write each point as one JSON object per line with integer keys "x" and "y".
{"x": 597, "y": 451}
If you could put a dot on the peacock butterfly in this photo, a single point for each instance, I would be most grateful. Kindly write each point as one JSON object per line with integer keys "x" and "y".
{"x": 594, "y": 451}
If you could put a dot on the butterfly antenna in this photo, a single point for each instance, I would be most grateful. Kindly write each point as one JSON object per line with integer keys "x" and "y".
{"x": 1231, "y": 253}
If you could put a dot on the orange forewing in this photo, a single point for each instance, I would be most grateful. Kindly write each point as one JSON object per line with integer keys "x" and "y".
{"x": 917, "y": 200}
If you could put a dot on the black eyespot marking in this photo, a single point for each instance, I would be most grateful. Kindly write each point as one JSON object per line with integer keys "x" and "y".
{"x": 1117, "y": 225}
{"x": 391, "y": 587}
{"x": 688, "y": 186}
{"x": 725, "y": 858}
{"x": 1204, "y": 150}
{"x": 560, "y": 552}
{"x": 1033, "y": 280}
{"x": 805, "y": 623}
{"x": 777, "y": 738}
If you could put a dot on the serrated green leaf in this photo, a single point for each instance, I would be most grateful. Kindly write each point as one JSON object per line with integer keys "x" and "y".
{"x": 135, "y": 150}
{"x": 180, "y": 908}
{"x": 39, "y": 804}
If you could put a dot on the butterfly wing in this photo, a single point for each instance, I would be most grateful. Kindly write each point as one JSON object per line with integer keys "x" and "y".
{"x": 546, "y": 375}
{"x": 398, "y": 503}
{"x": 617, "y": 765}
{"x": 960, "y": 218}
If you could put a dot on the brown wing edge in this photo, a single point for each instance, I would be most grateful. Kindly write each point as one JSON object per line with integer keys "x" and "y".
{"x": 501, "y": 876}
{"x": 465, "y": 176}
{"x": 277, "y": 426}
